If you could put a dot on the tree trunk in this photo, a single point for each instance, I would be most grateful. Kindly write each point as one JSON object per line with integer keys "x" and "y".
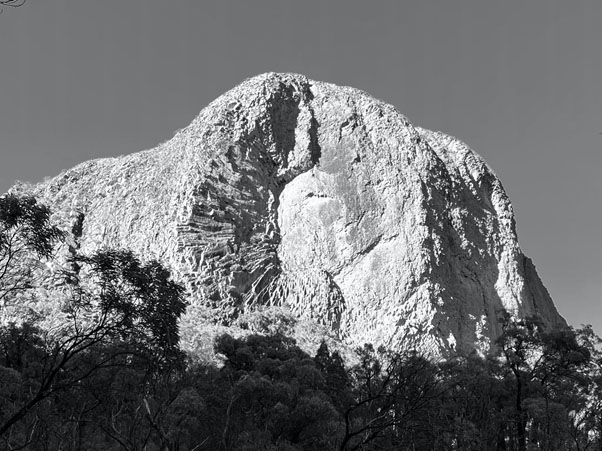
{"x": 521, "y": 424}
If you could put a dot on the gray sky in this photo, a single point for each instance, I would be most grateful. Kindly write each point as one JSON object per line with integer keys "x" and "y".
{"x": 519, "y": 81}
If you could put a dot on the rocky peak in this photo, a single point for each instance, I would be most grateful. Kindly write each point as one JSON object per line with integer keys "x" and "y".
{"x": 290, "y": 192}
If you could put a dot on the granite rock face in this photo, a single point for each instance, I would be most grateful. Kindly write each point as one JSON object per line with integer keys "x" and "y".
{"x": 291, "y": 192}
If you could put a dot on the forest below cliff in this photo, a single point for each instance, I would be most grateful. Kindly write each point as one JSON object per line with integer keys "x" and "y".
{"x": 90, "y": 359}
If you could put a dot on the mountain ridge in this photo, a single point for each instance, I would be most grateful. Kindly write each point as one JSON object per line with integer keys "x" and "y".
{"x": 290, "y": 192}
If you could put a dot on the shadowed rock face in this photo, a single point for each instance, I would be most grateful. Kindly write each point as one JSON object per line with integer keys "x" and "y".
{"x": 286, "y": 191}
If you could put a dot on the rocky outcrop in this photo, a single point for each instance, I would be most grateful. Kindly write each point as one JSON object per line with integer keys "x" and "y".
{"x": 291, "y": 192}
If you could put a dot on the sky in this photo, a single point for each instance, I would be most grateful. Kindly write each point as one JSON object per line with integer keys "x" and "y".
{"x": 519, "y": 81}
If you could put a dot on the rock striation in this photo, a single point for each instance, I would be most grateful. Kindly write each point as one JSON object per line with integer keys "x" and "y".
{"x": 295, "y": 193}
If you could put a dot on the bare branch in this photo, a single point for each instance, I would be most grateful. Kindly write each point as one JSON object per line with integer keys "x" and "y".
{"x": 12, "y": 3}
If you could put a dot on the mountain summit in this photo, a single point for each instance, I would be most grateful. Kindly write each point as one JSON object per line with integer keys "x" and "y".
{"x": 291, "y": 192}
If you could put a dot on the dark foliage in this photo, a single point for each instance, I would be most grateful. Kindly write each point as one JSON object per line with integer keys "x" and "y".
{"x": 25, "y": 233}
{"x": 116, "y": 315}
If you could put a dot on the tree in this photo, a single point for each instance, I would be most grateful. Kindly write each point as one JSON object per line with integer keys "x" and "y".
{"x": 474, "y": 409}
{"x": 111, "y": 310}
{"x": 272, "y": 397}
{"x": 393, "y": 392}
{"x": 520, "y": 346}
{"x": 338, "y": 385}
{"x": 585, "y": 398}
{"x": 548, "y": 370}
{"x": 27, "y": 238}
{"x": 124, "y": 314}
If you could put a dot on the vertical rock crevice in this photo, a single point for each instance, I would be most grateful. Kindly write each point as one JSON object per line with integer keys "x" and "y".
{"x": 234, "y": 226}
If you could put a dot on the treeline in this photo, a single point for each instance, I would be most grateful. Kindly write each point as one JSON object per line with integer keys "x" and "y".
{"x": 90, "y": 360}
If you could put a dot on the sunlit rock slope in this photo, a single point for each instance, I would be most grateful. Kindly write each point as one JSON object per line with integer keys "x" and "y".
{"x": 291, "y": 192}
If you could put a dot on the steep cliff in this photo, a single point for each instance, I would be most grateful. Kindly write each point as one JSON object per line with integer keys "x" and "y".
{"x": 291, "y": 192}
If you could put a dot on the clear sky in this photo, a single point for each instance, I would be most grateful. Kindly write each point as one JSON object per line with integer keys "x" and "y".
{"x": 519, "y": 81}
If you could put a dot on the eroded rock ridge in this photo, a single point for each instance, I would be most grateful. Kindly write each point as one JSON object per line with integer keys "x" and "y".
{"x": 291, "y": 192}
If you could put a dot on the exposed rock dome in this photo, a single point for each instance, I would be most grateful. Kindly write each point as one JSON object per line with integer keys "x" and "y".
{"x": 288, "y": 191}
